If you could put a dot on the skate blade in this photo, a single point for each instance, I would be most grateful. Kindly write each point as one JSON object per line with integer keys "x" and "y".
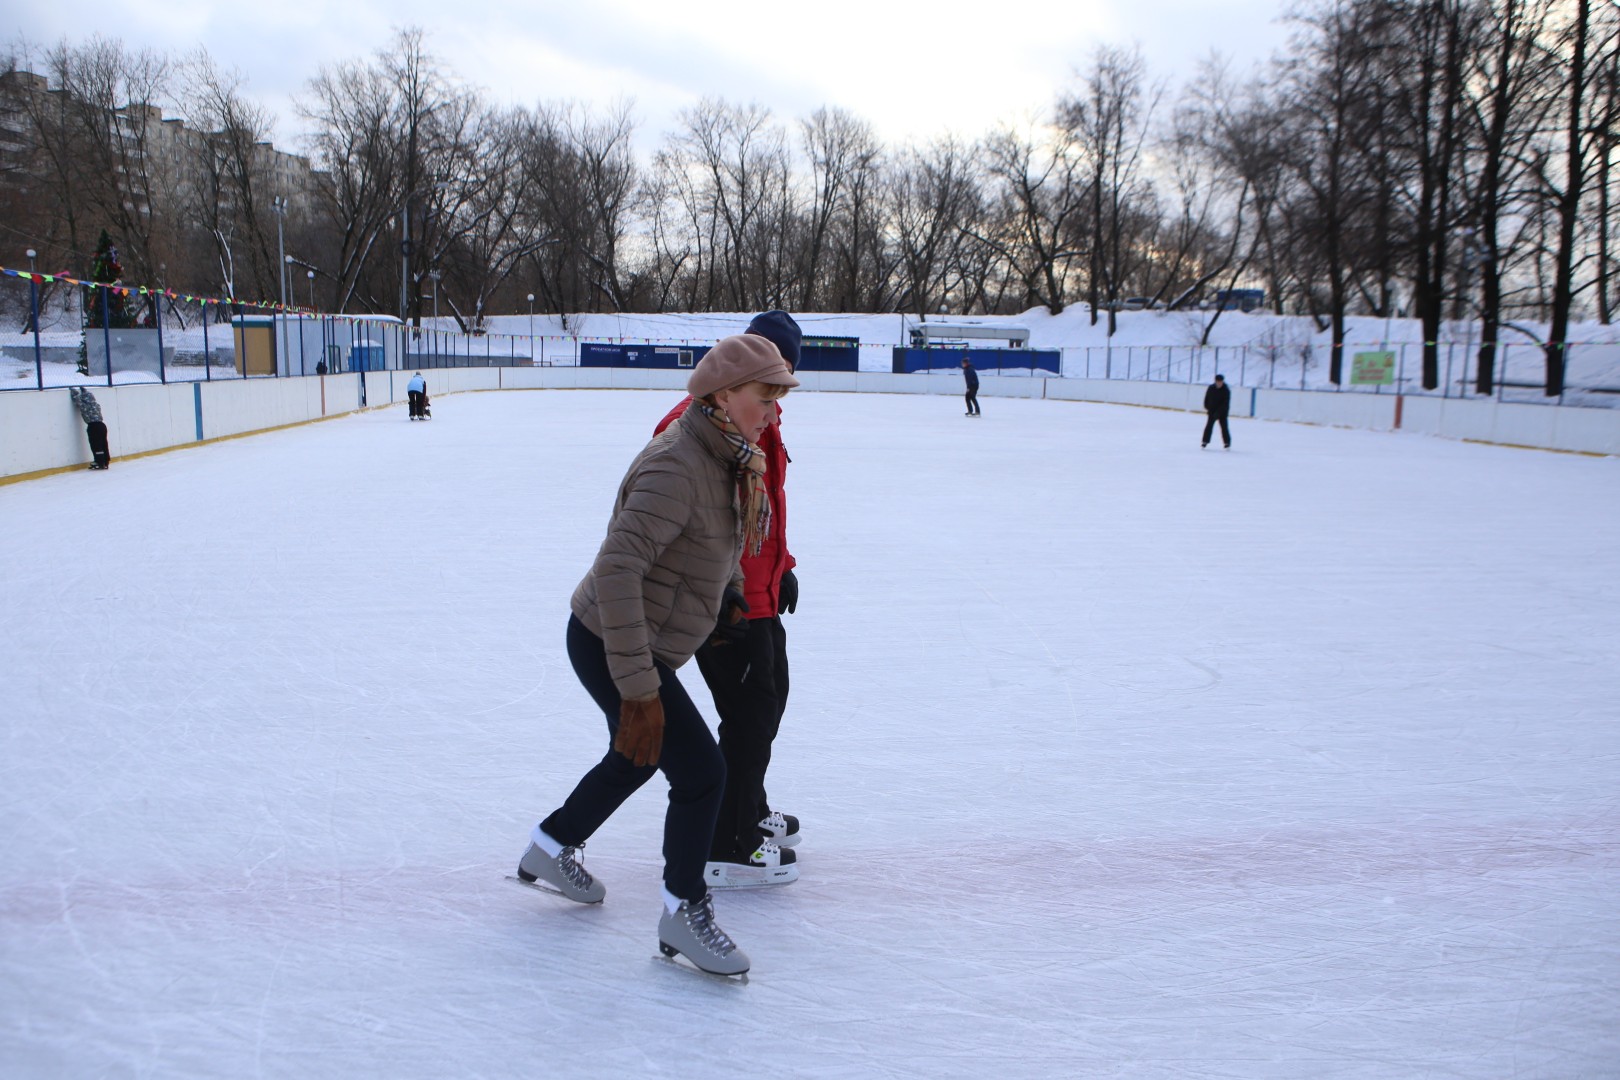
{"x": 537, "y": 886}
{"x": 675, "y": 959}
{"x": 770, "y": 877}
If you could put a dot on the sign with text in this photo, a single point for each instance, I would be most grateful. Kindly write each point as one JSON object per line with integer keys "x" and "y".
{"x": 1372, "y": 369}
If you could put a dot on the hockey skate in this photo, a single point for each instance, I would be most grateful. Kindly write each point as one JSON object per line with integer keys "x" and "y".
{"x": 768, "y": 865}
{"x": 690, "y": 931}
{"x": 563, "y": 873}
{"x": 781, "y": 828}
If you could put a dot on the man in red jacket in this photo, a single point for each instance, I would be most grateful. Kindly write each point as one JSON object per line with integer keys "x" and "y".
{"x": 748, "y": 675}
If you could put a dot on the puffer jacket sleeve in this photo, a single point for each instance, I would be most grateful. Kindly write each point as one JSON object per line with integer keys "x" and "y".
{"x": 657, "y": 501}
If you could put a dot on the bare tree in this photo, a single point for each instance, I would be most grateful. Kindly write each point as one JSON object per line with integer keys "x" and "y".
{"x": 1107, "y": 125}
{"x": 398, "y": 137}
{"x": 1040, "y": 203}
{"x": 610, "y": 182}
{"x": 96, "y": 134}
{"x": 1582, "y": 47}
{"x": 843, "y": 155}
{"x": 936, "y": 210}
{"x": 231, "y": 176}
{"x": 1244, "y": 135}
{"x": 1507, "y": 108}
{"x": 1606, "y": 130}
{"x": 729, "y": 171}
{"x": 351, "y": 108}
{"x": 1335, "y": 107}
{"x": 862, "y": 252}
{"x": 1425, "y": 69}
{"x": 1186, "y": 241}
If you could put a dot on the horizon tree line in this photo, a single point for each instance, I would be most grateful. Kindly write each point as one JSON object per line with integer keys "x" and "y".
{"x": 1447, "y": 160}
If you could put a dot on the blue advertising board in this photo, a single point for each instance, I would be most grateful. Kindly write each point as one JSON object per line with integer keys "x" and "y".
{"x": 907, "y": 361}
{"x": 602, "y": 354}
{"x": 815, "y": 354}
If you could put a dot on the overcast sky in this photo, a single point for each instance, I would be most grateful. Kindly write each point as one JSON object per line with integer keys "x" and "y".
{"x": 915, "y": 69}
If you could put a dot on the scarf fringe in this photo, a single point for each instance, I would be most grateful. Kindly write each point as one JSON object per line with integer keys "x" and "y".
{"x": 750, "y": 472}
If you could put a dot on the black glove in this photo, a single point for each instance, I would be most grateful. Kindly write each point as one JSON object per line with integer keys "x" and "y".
{"x": 732, "y": 629}
{"x": 787, "y": 594}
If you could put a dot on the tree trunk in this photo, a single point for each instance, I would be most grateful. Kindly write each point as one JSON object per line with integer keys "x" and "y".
{"x": 1568, "y": 210}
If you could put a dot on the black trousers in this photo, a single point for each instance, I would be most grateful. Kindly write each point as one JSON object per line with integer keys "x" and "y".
{"x": 749, "y": 681}
{"x": 416, "y": 401}
{"x": 690, "y": 761}
{"x": 1209, "y": 428}
{"x": 96, "y": 432}
{"x": 972, "y": 397}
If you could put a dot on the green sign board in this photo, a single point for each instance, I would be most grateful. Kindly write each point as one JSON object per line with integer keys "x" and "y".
{"x": 1372, "y": 369}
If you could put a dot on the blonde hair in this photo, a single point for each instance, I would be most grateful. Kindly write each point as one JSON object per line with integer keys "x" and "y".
{"x": 768, "y": 391}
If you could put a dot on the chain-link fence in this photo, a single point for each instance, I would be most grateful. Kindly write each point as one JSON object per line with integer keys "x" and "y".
{"x": 61, "y": 332}
{"x": 65, "y": 339}
{"x": 1591, "y": 373}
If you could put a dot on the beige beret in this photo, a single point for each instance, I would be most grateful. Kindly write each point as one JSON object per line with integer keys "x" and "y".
{"x": 734, "y": 361}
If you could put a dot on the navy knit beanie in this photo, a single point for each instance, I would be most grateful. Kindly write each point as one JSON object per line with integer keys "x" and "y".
{"x": 780, "y": 330}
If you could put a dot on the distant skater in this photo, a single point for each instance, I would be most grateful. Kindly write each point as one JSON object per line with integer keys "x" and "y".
{"x": 416, "y": 390}
{"x": 971, "y": 377}
{"x": 1217, "y": 403}
{"x": 664, "y": 580}
{"x": 94, "y": 429}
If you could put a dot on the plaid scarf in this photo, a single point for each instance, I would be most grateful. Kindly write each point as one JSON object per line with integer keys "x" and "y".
{"x": 750, "y": 462}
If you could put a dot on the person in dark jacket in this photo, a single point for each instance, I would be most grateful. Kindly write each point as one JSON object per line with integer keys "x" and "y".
{"x": 1218, "y": 403}
{"x": 94, "y": 428}
{"x": 748, "y": 676}
{"x": 971, "y": 377}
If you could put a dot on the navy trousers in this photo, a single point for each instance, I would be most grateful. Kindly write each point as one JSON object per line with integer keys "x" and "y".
{"x": 749, "y": 681}
{"x": 690, "y": 761}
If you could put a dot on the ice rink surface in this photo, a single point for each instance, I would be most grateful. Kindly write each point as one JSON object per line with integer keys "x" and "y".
{"x": 1115, "y": 757}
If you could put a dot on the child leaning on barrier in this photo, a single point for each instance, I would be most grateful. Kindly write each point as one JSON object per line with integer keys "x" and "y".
{"x": 94, "y": 429}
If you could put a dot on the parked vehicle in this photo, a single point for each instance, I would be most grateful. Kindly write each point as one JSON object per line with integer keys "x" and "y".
{"x": 1239, "y": 300}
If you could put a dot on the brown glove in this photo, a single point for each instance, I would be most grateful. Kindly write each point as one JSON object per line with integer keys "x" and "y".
{"x": 641, "y": 730}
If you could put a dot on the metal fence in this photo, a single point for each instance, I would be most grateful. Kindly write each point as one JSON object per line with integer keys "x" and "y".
{"x": 55, "y": 332}
{"x": 1591, "y": 376}
{"x": 204, "y": 339}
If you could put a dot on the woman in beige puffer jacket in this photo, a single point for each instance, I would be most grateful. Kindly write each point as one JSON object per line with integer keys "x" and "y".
{"x": 690, "y": 503}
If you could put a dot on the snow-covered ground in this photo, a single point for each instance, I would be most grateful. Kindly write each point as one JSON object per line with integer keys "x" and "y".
{"x": 1115, "y": 757}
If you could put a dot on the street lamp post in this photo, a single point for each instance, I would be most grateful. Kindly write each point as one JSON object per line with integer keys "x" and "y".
{"x": 434, "y": 275}
{"x": 157, "y": 317}
{"x": 279, "y": 206}
{"x": 531, "y": 329}
{"x": 33, "y": 302}
{"x": 286, "y": 287}
{"x": 311, "y": 275}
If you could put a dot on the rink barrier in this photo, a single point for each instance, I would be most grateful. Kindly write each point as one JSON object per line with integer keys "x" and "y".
{"x": 41, "y": 432}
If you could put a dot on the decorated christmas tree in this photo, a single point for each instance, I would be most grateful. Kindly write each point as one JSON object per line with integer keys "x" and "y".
{"x": 106, "y": 269}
